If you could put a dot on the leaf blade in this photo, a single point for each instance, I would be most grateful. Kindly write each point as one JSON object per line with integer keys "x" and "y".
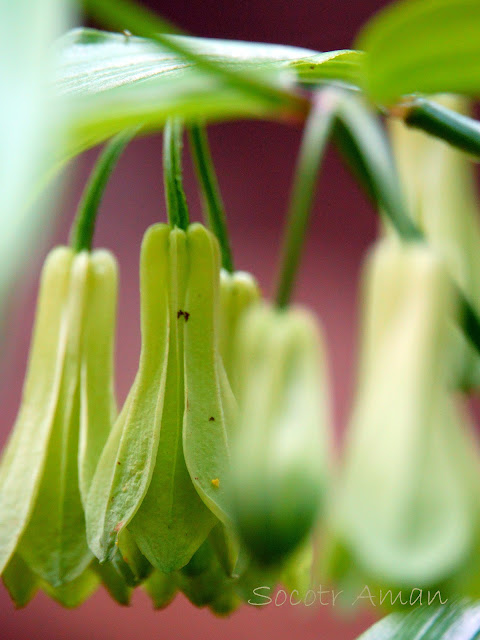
{"x": 422, "y": 46}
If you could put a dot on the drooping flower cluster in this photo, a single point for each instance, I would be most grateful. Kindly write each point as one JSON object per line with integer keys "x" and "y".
{"x": 146, "y": 497}
{"x": 217, "y": 476}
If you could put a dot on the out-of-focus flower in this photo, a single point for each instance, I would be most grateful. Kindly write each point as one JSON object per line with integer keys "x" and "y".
{"x": 407, "y": 511}
{"x": 281, "y": 453}
{"x": 439, "y": 182}
{"x": 238, "y": 292}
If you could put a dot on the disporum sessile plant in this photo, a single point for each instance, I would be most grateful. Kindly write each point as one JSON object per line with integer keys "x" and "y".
{"x": 218, "y": 473}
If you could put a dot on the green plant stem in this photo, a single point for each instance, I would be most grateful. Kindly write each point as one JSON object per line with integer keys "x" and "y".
{"x": 458, "y": 130}
{"x": 213, "y": 205}
{"x": 177, "y": 209}
{"x": 125, "y": 14}
{"x": 312, "y": 149}
{"x": 468, "y": 319}
{"x": 363, "y": 142}
{"x": 84, "y": 224}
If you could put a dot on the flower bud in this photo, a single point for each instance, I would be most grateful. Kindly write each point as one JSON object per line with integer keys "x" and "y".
{"x": 238, "y": 292}
{"x": 405, "y": 509}
{"x": 280, "y": 459}
{"x": 64, "y": 418}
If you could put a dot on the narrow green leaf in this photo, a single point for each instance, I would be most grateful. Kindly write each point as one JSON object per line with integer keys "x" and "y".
{"x": 344, "y": 66}
{"x": 453, "y": 621}
{"x": 427, "y": 46}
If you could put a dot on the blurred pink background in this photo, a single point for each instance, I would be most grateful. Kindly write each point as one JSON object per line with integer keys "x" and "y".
{"x": 254, "y": 162}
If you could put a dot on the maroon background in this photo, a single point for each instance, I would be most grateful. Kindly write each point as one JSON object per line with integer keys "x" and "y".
{"x": 255, "y": 162}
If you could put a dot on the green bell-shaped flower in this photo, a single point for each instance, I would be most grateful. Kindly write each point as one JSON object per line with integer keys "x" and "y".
{"x": 161, "y": 472}
{"x": 439, "y": 182}
{"x": 405, "y": 511}
{"x": 65, "y": 416}
{"x": 281, "y": 453}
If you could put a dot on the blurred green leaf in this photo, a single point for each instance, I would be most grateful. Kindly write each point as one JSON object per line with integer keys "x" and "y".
{"x": 26, "y": 123}
{"x": 457, "y": 621}
{"x": 113, "y": 81}
{"x": 428, "y": 46}
{"x": 344, "y": 65}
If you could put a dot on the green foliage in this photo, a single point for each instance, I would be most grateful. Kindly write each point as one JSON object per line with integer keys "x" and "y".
{"x": 422, "y": 46}
{"x": 113, "y": 81}
{"x": 453, "y": 621}
{"x": 30, "y": 124}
